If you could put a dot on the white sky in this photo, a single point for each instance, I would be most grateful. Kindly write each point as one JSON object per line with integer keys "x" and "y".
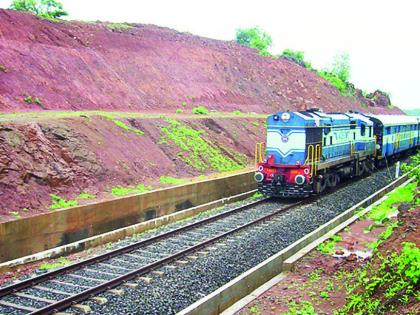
{"x": 382, "y": 37}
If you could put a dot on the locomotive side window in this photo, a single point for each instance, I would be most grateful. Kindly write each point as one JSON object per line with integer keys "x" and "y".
{"x": 363, "y": 130}
{"x": 327, "y": 129}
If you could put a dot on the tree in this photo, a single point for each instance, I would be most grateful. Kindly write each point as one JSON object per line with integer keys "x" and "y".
{"x": 341, "y": 66}
{"x": 297, "y": 57}
{"x": 254, "y": 38}
{"x": 45, "y": 8}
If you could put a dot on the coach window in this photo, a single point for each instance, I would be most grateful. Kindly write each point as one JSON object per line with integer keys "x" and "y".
{"x": 370, "y": 131}
{"x": 363, "y": 130}
{"x": 352, "y": 125}
{"x": 388, "y": 130}
{"x": 331, "y": 140}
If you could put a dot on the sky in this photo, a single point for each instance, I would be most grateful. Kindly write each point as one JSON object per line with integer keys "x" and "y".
{"x": 382, "y": 37}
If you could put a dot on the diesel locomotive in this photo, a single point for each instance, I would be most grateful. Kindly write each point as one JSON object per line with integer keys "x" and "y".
{"x": 309, "y": 151}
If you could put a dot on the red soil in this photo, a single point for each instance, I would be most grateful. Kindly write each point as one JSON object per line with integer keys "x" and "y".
{"x": 68, "y": 156}
{"x": 75, "y": 65}
{"x": 301, "y": 285}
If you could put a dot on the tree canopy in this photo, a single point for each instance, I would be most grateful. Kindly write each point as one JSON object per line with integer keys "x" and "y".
{"x": 341, "y": 66}
{"x": 45, "y": 8}
{"x": 254, "y": 38}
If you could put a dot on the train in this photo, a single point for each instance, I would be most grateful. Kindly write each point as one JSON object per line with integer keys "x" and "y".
{"x": 308, "y": 151}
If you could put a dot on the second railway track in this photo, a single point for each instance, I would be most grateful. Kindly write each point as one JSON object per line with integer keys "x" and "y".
{"x": 62, "y": 288}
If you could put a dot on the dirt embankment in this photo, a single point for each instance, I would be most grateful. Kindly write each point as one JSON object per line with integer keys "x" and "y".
{"x": 96, "y": 153}
{"x": 74, "y": 65}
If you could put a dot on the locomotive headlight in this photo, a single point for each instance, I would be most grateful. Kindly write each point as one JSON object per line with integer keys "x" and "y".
{"x": 300, "y": 179}
{"x": 259, "y": 177}
{"x": 285, "y": 117}
{"x": 276, "y": 117}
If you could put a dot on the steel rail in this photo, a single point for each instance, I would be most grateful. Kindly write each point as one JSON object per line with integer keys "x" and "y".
{"x": 119, "y": 251}
{"x": 78, "y": 297}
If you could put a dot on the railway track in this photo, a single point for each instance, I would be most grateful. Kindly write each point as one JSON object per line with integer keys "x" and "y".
{"x": 64, "y": 287}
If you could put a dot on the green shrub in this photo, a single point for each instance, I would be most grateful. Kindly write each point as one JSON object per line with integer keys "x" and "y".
{"x": 237, "y": 112}
{"x": 254, "y": 38}
{"x": 200, "y": 110}
{"x": 297, "y": 57}
{"x": 58, "y": 202}
{"x": 50, "y": 9}
{"x": 335, "y": 81}
{"x": 38, "y": 101}
{"x": 28, "y": 99}
{"x": 179, "y": 110}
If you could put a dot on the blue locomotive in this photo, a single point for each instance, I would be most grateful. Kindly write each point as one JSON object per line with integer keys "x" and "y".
{"x": 308, "y": 151}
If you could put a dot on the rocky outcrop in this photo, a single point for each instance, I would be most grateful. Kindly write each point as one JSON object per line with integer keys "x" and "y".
{"x": 69, "y": 156}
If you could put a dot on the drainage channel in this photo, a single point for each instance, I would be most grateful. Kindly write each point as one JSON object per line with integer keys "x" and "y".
{"x": 80, "y": 281}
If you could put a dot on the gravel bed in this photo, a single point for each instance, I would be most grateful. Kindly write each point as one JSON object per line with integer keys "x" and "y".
{"x": 150, "y": 253}
{"x": 26, "y": 301}
{"x": 45, "y": 294}
{"x": 11, "y": 311}
{"x": 186, "y": 284}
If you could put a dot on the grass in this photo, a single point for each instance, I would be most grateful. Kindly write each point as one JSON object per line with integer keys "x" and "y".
{"x": 121, "y": 124}
{"x": 195, "y": 150}
{"x": 402, "y": 194}
{"x": 119, "y": 26}
{"x": 119, "y": 191}
{"x": 172, "y": 180}
{"x": 200, "y": 110}
{"x": 16, "y": 214}
{"x": 84, "y": 195}
{"x": 328, "y": 247}
{"x": 58, "y": 202}
{"x": 59, "y": 263}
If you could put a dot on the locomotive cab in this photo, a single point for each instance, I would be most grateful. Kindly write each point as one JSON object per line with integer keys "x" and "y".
{"x": 293, "y": 143}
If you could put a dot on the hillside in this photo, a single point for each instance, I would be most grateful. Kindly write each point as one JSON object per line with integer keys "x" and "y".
{"x": 83, "y": 66}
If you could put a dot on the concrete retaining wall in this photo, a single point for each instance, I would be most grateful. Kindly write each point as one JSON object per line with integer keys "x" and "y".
{"x": 34, "y": 234}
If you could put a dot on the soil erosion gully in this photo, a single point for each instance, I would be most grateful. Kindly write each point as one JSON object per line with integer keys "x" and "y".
{"x": 80, "y": 281}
